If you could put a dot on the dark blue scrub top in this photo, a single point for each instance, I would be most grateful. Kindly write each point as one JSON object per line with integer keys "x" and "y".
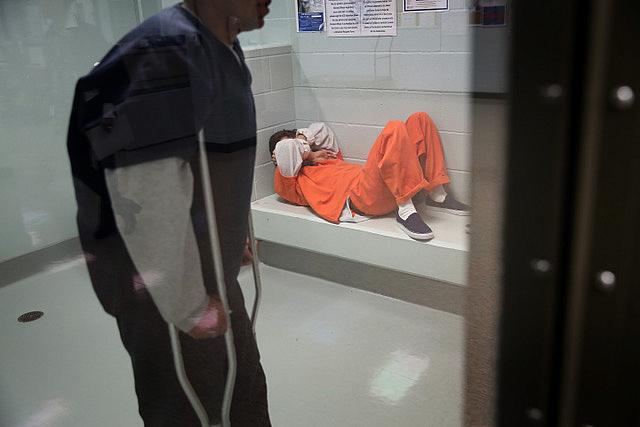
{"x": 160, "y": 84}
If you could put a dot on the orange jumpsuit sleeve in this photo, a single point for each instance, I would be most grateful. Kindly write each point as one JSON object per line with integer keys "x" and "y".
{"x": 289, "y": 189}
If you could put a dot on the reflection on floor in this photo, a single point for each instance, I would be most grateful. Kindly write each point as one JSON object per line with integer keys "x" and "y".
{"x": 334, "y": 356}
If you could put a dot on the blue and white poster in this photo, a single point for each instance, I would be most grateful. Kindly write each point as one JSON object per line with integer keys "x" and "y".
{"x": 310, "y": 16}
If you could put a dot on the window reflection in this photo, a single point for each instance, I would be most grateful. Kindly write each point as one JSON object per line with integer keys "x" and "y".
{"x": 45, "y": 46}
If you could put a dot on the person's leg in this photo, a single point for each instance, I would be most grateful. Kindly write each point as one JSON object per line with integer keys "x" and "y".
{"x": 391, "y": 176}
{"x": 145, "y": 336}
{"x": 424, "y": 133}
{"x": 206, "y": 364}
{"x": 161, "y": 400}
{"x": 249, "y": 407}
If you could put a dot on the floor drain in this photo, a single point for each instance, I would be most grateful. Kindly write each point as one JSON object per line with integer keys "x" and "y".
{"x": 30, "y": 316}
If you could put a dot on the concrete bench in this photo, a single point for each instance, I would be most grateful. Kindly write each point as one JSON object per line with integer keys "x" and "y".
{"x": 378, "y": 242}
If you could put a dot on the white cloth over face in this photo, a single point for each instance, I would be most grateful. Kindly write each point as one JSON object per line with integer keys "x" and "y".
{"x": 292, "y": 152}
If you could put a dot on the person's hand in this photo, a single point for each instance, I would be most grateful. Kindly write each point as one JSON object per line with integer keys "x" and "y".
{"x": 247, "y": 255}
{"x": 213, "y": 322}
{"x": 321, "y": 156}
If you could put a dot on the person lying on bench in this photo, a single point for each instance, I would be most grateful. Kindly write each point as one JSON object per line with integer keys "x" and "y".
{"x": 405, "y": 159}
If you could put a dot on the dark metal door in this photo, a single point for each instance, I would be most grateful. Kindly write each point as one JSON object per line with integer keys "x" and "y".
{"x": 570, "y": 332}
{"x": 545, "y": 80}
{"x": 602, "y": 357}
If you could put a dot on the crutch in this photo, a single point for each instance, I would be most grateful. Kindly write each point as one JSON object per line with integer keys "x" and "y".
{"x": 222, "y": 291}
{"x": 257, "y": 281}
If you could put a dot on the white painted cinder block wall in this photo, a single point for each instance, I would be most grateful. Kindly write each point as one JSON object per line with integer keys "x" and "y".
{"x": 268, "y": 55}
{"x": 356, "y": 85}
{"x": 271, "y": 69}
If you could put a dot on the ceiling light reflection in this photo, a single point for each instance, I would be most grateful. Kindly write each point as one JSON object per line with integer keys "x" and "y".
{"x": 393, "y": 381}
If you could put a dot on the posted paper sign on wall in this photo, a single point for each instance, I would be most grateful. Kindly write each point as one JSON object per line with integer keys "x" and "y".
{"x": 425, "y": 5}
{"x": 361, "y": 18}
{"x": 310, "y": 15}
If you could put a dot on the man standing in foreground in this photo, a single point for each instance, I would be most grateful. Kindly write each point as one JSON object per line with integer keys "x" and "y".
{"x": 141, "y": 218}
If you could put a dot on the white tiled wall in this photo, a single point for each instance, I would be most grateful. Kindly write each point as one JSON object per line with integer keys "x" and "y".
{"x": 357, "y": 85}
{"x": 271, "y": 69}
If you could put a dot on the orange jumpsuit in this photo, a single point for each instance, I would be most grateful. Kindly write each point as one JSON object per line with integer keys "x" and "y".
{"x": 406, "y": 158}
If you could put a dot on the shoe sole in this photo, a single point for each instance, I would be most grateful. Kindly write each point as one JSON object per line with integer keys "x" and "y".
{"x": 451, "y": 211}
{"x": 416, "y": 236}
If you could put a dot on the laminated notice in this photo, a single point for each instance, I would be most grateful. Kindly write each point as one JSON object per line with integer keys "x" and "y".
{"x": 361, "y": 18}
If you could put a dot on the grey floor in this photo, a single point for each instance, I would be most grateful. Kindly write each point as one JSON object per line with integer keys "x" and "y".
{"x": 334, "y": 356}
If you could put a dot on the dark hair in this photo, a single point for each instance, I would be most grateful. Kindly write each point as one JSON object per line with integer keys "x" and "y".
{"x": 281, "y": 134}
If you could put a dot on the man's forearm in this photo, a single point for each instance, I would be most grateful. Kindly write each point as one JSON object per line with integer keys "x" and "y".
{"x": 152, "y": 202}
